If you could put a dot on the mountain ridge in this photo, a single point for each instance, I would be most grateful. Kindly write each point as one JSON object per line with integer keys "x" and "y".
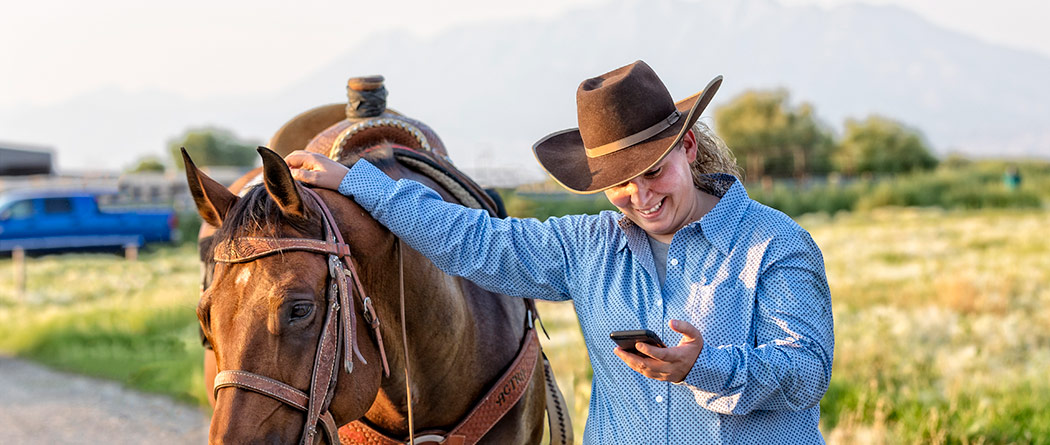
{"x": 492, "y": 89}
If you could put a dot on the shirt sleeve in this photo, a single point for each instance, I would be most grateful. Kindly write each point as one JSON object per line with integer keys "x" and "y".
{"x": 512, "y": 256}
{"x": 789, "y": 366}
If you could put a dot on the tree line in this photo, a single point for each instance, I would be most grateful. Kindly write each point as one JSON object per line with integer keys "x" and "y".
{"x": 770, "y": 137}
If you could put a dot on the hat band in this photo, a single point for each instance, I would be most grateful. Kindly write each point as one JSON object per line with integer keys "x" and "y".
{"x": 634, "y": 138}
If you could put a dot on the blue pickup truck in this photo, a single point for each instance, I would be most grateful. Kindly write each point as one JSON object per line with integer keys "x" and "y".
{"x": 69, "y": 220}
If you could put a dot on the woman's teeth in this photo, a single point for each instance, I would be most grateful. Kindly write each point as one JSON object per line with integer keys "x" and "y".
{"x": 653, "y": 209}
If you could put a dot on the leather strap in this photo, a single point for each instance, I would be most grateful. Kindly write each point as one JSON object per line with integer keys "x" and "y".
{"x": 261, "y": 385}
{"x": 275, "y": 389}
{"x": 500, "y": 398}
{"x": 634, "y": 138}
{"x": 559, "y": 425}
{"x": 251, "y": 248}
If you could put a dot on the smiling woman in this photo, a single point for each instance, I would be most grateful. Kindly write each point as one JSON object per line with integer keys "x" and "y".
{"x": 751, "y": 355}
{"x": 663, "y": 199}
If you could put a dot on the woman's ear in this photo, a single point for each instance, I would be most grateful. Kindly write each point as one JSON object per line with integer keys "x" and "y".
{"x": 689, "y": 145}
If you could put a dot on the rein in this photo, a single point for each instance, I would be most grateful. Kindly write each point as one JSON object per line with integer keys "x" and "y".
{"x": 338, "y": 330}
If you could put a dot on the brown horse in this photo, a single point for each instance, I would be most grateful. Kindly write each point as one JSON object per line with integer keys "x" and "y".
{"x": 266, "y": 316}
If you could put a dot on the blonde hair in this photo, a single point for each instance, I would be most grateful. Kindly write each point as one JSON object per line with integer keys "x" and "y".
{"x": 712, "y": 156}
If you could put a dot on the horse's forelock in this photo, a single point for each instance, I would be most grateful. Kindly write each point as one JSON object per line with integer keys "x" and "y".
{"x": 257, "y": 214}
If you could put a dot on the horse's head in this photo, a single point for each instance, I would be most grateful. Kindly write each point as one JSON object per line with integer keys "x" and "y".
{"x": 265, "y": 314}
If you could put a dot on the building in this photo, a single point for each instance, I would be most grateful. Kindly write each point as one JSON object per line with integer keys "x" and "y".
{"x": 24, "y": 160}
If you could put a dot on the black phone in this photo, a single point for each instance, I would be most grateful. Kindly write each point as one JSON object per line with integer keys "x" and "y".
{"x": 627, "y": 339}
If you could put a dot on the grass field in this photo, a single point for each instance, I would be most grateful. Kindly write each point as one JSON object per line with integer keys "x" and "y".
{"x": 101, "y": 315}
{"x": 942, "y": 328}
{"x": 942, "y": 325}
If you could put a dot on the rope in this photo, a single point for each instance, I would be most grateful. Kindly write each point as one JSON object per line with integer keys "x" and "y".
{"x": 404, "y": 340}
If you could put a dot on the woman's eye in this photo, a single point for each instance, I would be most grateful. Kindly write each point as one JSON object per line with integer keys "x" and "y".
{"x": 653, "y": 173}
{"x": 301, "y": 310}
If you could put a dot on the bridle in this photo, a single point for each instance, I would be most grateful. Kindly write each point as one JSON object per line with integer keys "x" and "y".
{"x": 337, "y": 334}
{"x": 338, "y": 330}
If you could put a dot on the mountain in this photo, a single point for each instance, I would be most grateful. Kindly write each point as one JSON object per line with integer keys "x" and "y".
{"x": 492, "y": 89}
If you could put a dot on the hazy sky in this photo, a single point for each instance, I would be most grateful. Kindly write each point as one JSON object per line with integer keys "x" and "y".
{"x": 52, "y": 50}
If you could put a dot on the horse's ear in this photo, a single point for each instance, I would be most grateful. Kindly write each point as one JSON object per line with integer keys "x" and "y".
{"x": 280, "y": 184}
{"x": 213, "y": 200}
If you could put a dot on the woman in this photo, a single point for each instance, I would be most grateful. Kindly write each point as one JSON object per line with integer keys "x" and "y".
{"x": 737, "y": 287}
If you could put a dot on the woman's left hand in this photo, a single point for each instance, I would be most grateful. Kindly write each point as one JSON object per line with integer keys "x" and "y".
{"x": 316, "y": 169}
{"x": 668, "y": 364}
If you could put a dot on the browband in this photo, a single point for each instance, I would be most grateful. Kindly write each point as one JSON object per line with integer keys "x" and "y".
{"x": 249, "y": 248}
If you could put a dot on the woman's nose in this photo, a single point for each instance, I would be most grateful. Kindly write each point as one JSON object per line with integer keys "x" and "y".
{"x": 638, "y": 192}
{"x": 622, "y": 195}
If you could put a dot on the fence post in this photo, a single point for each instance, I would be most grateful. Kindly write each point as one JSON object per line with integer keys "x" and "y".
{"x": 131, "y": 251}
{"x": 18, "y": 257}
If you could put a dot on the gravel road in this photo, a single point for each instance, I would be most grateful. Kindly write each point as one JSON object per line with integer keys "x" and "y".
{"x": 39, "y": 405}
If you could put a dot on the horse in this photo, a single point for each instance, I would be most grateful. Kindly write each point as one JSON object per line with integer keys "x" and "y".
{"x": 302, "y": 287}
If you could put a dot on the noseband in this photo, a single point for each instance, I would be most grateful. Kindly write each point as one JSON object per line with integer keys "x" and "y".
{"x": 338, "y": 330}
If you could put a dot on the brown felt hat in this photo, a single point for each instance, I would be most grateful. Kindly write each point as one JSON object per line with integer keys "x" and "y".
{"x": 628, "y": 123}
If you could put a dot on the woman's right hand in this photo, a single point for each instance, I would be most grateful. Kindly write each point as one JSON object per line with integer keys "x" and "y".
{"x": 316, "y": 169}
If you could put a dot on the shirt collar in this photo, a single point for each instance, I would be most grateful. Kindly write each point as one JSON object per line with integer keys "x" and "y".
{"x": 720, "y": 224}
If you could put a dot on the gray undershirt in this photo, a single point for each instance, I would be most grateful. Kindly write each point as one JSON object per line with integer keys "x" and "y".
{"x": 659, "y": 256}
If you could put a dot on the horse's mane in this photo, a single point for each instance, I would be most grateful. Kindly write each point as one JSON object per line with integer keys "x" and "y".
{"x": 257, "y": 214}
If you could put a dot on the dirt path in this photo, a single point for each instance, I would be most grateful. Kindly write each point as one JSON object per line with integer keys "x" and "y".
{"x": 40, "y": 405}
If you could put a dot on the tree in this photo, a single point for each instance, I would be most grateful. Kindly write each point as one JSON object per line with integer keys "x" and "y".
{"x": 771, "y": 137}
{"x": 148, "y": 164}
{"x": 882, "y": 145}
{"x": 213, "y": 146}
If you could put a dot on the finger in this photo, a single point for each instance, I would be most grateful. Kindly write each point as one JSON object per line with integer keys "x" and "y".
{"x": 632, "y": 360}
{"x": 648, "y": 367}
{"x": 689, "y": 332}
{"x": 295, "y": 159}
{"x": 655, "y": 352}
{"x": 307, "y": 176}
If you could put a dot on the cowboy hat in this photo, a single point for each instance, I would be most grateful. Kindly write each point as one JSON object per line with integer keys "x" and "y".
{"x": 628, "y": 122}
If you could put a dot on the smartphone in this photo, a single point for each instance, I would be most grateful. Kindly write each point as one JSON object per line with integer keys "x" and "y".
{"x": 627, "y": 339}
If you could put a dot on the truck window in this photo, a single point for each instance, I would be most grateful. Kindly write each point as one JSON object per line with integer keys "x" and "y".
{"x": 18, "y": 210}
{"x": 57, "y": 205}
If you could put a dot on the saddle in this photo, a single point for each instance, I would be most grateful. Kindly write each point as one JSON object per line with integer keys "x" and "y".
{"x": 342, "y": 132}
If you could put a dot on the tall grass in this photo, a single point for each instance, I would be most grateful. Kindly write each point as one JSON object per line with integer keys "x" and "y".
{"x": 101, "y": 315}
{"x": 954, "y": 185}
{"x": 941, "y": 326}
{"x": 969, "y": 186}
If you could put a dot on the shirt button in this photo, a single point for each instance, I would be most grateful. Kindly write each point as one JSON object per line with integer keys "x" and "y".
{"x": 659, "y": 399}
{"x": 674, "y": 261}
{"x": 659, "y": 302}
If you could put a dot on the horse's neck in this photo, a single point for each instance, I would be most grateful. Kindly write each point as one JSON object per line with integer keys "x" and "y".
{"x": 450, "y": 353}
{"x": 457, "y": 344}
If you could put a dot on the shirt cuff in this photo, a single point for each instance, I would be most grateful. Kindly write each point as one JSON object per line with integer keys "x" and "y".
{"x": 366, "y": 183}
{"x": 712, "y": 369}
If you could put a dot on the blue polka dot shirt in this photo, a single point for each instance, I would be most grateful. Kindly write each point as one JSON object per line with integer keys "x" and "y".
{"x": 747, "y": 276}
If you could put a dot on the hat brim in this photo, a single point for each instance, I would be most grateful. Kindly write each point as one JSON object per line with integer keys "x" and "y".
{"x": 563, "y": 156}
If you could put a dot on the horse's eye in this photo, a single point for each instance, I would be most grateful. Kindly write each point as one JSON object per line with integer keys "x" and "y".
{"x": 301, "y": 310}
